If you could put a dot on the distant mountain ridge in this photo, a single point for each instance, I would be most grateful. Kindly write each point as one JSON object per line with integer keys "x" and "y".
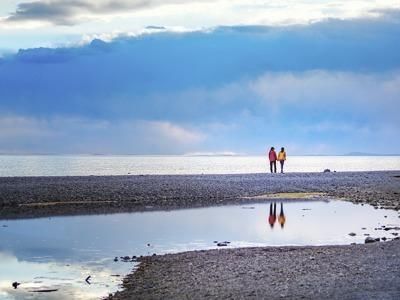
{"x": 369, "y": 154}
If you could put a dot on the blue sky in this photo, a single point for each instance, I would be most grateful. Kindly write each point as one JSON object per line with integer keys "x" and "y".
{"x": 175, "y": 77}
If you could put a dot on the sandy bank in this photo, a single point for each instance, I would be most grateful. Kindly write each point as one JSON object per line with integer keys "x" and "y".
{"x": 48, "y": 196}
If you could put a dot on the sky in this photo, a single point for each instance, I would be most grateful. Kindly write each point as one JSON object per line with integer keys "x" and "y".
{"x": 177, "y": 77}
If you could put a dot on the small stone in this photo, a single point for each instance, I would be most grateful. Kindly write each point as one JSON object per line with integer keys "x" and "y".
{"x": 327, "y": 171}
{"x": 352, "y": 234}
{"x": 364, "y": 228}
{"x": 15, "y": 284}
{"x": 384, "y": 239}
{"x": 116, "y": 259}
{"x": 222, "y": 244}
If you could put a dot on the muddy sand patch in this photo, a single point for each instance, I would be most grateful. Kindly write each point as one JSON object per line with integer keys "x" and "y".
{"x": 294, "y": 195}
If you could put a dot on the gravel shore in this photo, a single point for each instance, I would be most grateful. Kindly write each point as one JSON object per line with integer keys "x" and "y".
{"x": 22, "y": 197}
{"x": 370, "y": 271}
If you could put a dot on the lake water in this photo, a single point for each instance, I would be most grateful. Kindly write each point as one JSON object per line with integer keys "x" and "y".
{"x": 70, "y": 165}
{"x": 60, "y": 252}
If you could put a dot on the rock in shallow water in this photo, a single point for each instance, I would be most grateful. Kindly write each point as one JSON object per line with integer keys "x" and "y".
{"x": 369, "y": 240}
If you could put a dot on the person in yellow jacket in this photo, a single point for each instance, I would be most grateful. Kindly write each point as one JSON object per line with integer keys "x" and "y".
{"x": 282, "y": 158}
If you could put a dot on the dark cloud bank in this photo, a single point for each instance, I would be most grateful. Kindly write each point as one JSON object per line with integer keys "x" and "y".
{"x": 68, "y": 12}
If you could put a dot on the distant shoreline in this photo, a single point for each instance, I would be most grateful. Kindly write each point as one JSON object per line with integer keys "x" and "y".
{"x": 87, "y": 165}
{"x": 188, "y": 155}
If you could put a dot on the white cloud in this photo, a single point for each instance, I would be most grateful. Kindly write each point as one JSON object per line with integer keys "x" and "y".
{"x": 12, "y": 127}
{"x": 378, "y": 90}
{"x": 195, "y": 13}
{"x": 336, "y": 127}
{"x": 58, "y": 134}
{"x": 88, "y": 19}
{"x": 167, "y": 131}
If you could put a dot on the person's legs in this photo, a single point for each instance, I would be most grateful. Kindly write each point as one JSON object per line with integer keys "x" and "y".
{"x": 275, "y": 166}
{"x": 270, "y": 165}
{"x": 282, "y": 163}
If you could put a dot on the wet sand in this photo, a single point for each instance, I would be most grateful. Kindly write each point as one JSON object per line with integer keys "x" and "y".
{"x": 370, "y": 271}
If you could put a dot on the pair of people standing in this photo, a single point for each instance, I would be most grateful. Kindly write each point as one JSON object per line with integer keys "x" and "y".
{"x": 281, "y": 157}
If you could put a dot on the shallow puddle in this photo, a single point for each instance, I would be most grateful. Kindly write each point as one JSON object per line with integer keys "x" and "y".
{"x": 60, "y": 253}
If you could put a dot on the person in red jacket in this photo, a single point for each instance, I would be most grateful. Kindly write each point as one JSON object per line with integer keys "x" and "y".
{"x": 272, "y": 159}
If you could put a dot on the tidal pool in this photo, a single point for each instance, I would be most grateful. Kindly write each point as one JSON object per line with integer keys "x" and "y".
{"x": 60, "y": 253}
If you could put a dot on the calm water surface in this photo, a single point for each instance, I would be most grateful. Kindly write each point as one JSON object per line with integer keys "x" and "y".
{"x": 60, "y": 252}
{"x": 48, "y": 165}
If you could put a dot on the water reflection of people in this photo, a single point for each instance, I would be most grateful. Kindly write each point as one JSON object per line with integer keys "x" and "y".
{"x": 282, "y": 218}
{"x": 272, "y": 214}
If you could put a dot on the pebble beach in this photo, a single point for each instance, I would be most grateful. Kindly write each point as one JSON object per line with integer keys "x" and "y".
{"x": 367, "y": 271}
